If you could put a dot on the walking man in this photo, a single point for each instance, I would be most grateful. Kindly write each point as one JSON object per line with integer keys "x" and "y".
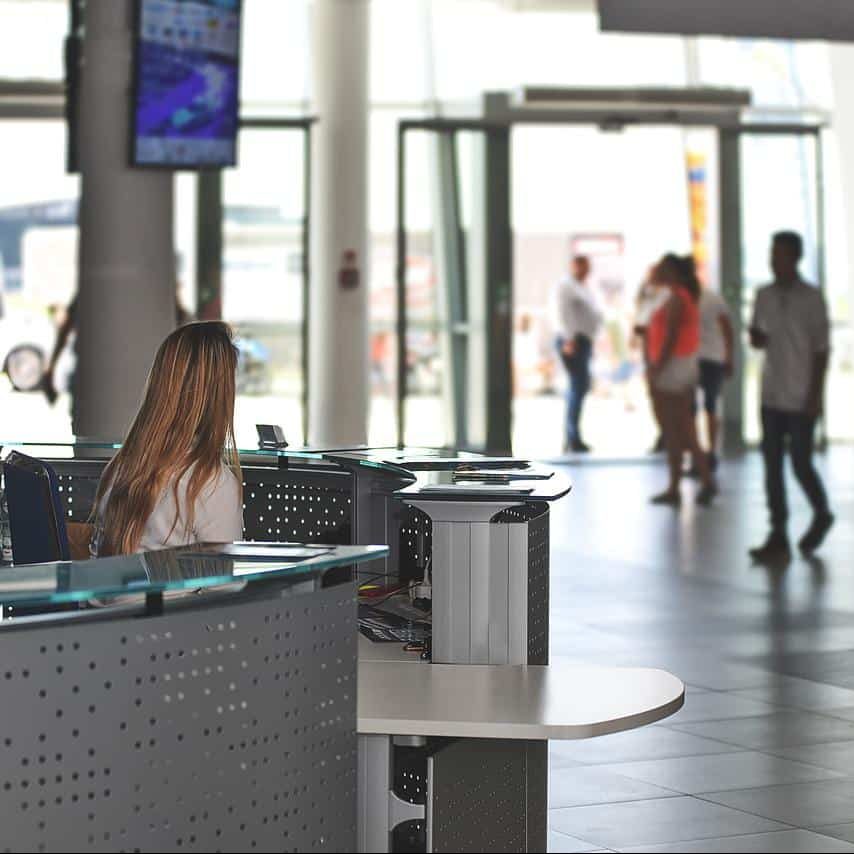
{"x": 578, "y": 321}
{"x": 790, "y": 324}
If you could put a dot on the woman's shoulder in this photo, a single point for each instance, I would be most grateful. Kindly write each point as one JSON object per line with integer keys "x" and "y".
{"x": 224, "y": 480}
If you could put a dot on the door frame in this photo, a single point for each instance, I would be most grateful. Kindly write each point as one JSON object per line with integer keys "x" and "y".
{"x": 613, "y": 109}
{"x": 477, "y": 381}
{"x": 210, "y": 236}
{"x": 732, "y": 249}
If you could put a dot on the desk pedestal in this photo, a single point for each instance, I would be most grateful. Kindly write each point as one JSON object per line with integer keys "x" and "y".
{"x": 452, "y": 795}
{"x": 490, "y": 574}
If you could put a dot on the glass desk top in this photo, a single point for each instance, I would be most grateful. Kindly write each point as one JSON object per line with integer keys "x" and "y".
{"x": 390, "y": 458}
{"x": 424, "y": 472}
{"x": 399, "y": 462}
{"x": 187, "y": 568}
{"x": 82, "y": 446}
{"x": 486, "y": 480}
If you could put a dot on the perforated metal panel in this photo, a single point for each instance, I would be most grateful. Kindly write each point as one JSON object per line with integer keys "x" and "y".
{"x": 537, "y": 797}
{"x": 538, "y": 588}
{"x": 280, "y": 505}
{"x": 478, "y": 798}
{"x": 416, "y": 542}
{"x": 227, "y": 724}
{"x": 297, "y": 506}
{"x": 78, "y": 483}
{"x": 536, "y": 516}
{"x": 409, "y": 783}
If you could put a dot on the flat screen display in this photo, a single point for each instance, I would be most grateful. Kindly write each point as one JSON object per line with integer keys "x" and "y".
{"x": 187, "y": 76}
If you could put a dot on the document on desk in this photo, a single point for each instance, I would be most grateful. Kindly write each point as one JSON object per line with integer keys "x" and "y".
{"x": 473, "y": 488}
{"x": 497, "y": 476}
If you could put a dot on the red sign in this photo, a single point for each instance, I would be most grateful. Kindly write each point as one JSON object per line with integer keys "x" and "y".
{"x": 348, "y": 275}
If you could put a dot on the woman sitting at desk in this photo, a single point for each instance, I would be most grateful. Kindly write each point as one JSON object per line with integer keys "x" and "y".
{"x": 176, "y": 479}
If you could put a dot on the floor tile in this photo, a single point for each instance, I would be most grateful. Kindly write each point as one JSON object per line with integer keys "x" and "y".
{"x": 713, "y": 674}
{"x": 560, "y": 843}
{"x": 801, "y": 694}
{"x": 835, "y": 667}
{"x": 783, "y": 729}
{"x": 719, "y": 705}
{"x": 795, "y": 841}
{"x": 835, "y": 755}
{"x": 839, "y": 831}
{"x": 846, "y": 713}
{"x": 801, "y": 805}
{"x": 648, "y": 743}
{"x": 556, "y": 760}
{"x": 656, "y": 822}
{"x": 633, "y": 586}
{"x": 587, "y": 785}
{"x": 696, "y": 774}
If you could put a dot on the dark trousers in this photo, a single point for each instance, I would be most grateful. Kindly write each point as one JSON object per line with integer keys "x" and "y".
{"x": 578, "y": 373}
{"x": 799, "y": 428}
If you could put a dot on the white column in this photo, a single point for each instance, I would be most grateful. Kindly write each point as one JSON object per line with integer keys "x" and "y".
{"x": 126, "y": 300}
{"x": 840, "y": 196}
{"x": 338, "y": 359}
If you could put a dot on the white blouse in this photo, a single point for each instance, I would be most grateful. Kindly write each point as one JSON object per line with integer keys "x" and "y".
{"x": 218, "y": 515}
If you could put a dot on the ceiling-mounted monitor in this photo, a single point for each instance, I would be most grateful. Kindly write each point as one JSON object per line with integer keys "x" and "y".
{"x": 186, "y": 89}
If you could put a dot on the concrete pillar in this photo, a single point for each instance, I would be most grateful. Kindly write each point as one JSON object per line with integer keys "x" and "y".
{"x": 842, "y": 135}
{"x": 126, "y": 299}
{"x": 338, "y": 323}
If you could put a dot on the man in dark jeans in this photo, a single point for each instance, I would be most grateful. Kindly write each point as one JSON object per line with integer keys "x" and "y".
{"x": 578, "y": 320}
{"x": 790, "y": 324}
{"x": 576, "y": 360}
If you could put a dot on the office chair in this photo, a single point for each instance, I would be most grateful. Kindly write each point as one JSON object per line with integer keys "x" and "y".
{"x": 35, "y": 511}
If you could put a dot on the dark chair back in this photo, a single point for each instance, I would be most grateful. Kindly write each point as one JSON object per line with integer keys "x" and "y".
{"x": 35, "y": 511}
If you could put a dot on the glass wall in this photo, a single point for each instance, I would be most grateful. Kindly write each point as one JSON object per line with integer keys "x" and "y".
{"x": 382, "y": 424}
{"x": 561, "y": 48}
{"x": 620, "y": 199}
{"x": 766, "y": 161}
{"x": 38, "y": 231}
{"x": 262, "y": 278}
{"x": 783, "y": 77}
{"x": 421, "y": 60}
{"x": 31, "y": 39}
{"x": 780, "y": 185}
{"x": 38, "y": 269}
{"x": 275, "y": 71}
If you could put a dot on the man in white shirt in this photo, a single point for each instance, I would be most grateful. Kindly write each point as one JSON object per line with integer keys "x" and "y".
{"x": 578, "y": 319}
{"x": 715, "y": 360}
{"x": 790, "y": 324}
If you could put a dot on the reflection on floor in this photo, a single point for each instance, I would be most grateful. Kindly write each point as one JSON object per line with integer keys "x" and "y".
{"x": 761, "y": 757}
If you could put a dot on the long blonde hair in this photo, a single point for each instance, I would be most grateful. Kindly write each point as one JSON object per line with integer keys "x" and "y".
{"x": 186, "y": 421}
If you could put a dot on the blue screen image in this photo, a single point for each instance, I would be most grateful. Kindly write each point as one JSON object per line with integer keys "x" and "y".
{"x": 187, "y": 83}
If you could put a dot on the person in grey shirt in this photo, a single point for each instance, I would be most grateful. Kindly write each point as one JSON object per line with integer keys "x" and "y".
{"x": 578, "y": 319}
{"x": 790, "y": 324}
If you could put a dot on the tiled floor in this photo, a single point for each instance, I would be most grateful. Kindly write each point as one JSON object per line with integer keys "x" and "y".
{"x": 761, "y": 757}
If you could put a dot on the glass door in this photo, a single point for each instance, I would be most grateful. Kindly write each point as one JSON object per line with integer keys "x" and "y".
{"x": 578, "y": 190}
{"x": 38, "y": 275}
{"x": 452, "y": 335}
{"x": 781, "y": 173}
{"x": 264, "y": 277}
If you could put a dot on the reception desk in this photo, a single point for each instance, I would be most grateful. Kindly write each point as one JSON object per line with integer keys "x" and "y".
{"x": 199, "y": 701}
{"x": 438, "y": 769}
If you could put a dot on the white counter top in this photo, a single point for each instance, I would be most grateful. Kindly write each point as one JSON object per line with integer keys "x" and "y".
{"x": 558, "y": 701}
